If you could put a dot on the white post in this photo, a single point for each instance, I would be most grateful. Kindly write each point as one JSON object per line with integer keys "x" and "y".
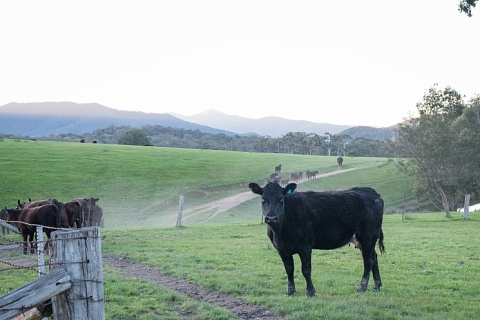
{"x": 40, "y": 252}
{"x": 180, "y": 211}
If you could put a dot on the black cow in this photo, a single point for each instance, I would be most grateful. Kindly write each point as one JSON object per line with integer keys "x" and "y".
{"x": 340, "y": 161}
{"x": 278, "y": 168}
{"x": 73, "y": 210}
{"x": 301, "y": 221}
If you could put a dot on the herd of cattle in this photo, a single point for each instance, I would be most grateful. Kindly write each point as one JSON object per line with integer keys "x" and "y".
{"x": 294, "y": 176}
{"x": 77, "y": 213}
{"x": 297, "y": 176}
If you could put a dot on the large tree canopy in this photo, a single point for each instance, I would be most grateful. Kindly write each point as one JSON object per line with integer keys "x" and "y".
{"x": 441, "y": 146}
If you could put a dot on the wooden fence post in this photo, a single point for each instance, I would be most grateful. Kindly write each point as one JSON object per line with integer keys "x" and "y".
{"x": 79, "y": 252}
{"x": 180, "y": 211}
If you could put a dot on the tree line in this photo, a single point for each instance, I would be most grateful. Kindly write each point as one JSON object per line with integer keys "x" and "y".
{"x": 292, "y": 142}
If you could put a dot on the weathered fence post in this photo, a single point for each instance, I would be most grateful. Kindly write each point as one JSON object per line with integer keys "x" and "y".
{"x": 79, "y": 252}
{"x": 180, "y": 211}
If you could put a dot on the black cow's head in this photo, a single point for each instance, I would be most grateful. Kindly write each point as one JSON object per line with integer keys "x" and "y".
{"x": 272, "y": 199}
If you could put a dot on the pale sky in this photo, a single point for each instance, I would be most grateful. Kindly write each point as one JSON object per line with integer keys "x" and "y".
{"x": 341, "y": 62}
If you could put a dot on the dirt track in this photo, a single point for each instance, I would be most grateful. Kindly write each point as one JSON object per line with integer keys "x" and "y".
{"x": 222, "y": 205}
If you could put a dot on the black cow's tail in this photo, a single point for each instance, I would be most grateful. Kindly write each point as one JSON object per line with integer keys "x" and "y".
{"x": 380, "y": 242}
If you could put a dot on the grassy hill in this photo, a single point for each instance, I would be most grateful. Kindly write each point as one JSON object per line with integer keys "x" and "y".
{"x": 141, "y": 186}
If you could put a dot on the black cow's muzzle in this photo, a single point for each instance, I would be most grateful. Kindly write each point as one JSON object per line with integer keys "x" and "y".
{"x": 271, "y": 220}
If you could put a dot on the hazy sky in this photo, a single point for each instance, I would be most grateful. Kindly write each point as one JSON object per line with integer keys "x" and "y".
{"x": 341, "y": 62}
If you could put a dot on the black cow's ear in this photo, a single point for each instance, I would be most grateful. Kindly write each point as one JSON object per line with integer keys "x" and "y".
{"x": 289, "y": 188}
{"x": 255, "y": 188}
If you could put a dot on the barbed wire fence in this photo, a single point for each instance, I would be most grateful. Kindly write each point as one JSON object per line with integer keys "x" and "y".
{"x": 74, "y": 283}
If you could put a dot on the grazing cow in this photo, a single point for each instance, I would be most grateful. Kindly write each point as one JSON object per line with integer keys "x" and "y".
{"x": 48, "y": 215}
{"x": 301, "y": 221}
{"x": 340, "y": 161}
{"x": 278, "y": 168}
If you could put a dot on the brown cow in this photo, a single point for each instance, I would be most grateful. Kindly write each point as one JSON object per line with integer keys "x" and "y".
{"x": 48, "y": 215}
{"x": 58, "y": 204}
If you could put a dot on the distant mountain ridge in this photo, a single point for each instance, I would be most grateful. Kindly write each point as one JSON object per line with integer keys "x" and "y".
{"x": 267, "y": 126}
{"x": 53, "y": 118}
{"x": 40, "y": 119}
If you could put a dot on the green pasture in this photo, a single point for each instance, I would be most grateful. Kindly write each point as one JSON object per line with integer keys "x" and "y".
{"x": 141, "y": 186}
{"x": 430, "y": 271}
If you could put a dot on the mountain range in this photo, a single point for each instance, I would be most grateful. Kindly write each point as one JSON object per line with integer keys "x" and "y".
{"x": 41, "y": 119}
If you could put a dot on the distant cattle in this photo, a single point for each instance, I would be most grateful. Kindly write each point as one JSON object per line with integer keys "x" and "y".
{"x": 274, "y": 176}
{"x": 298, "y": 222}
{"x": 296, "y": 176}
{"x": 278, "y": 168}
{"x": 311, "y": 174}
{"x": 48, "y": 215}
{"x": 340, "y": 161}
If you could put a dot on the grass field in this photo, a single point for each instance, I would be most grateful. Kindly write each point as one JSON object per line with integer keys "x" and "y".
{"x": 141, "y": 186}
{"x": 430, "y": 270}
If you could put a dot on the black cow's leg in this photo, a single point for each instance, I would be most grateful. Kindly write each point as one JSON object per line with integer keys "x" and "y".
{"x": 306, "y": 259}
{"x": 367, "y": 253}
{"x": 376, "y": 273}
{"x": 289, "y": 268}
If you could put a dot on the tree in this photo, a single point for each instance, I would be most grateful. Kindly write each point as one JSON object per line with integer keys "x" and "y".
{"x": 466, "y": 6}
{"x": 136, "y": 137}
{"x": 428, "y": 145}
{"x": 468, "y": 148}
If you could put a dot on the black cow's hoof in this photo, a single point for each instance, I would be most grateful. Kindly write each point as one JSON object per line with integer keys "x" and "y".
{"x": 362, "y": 288}
{"x": 311, "y": 294}
{"x": 377, "y": 285}
{"x": 290, "y": 292}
